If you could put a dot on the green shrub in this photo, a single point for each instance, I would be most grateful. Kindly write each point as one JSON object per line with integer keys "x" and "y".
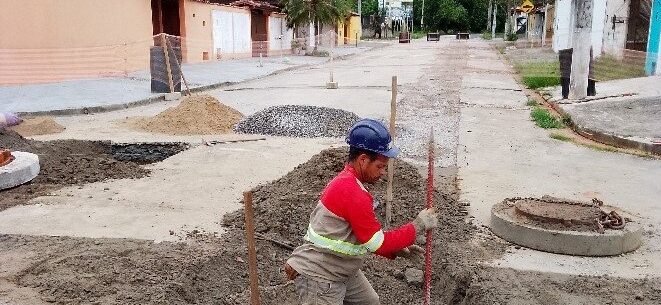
{"x": 544, "y": 119}
{"x": 486, "y": 35}
{"x": 535, "y": 82}
{"x": 418, "y": 34}
{"x": 511, "y": 37}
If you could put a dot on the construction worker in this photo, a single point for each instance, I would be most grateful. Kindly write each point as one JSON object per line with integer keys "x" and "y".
{"x": 343, "y": 227}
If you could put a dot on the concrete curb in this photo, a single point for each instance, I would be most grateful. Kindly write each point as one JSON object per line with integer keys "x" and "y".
{"x": 24, "y": 168}
{"x": 612, "y": 242}
{"x": 603, "y": 137}
{"x": 161, "y": 97}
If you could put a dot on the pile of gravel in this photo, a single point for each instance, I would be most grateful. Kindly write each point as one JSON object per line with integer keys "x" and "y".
{"x": 298, "y": 121}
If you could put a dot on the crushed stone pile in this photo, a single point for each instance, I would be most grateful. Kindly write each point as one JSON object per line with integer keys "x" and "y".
{"x": 196, "y": 114}
{"x": 37, "y": 126}
{"x": 64, "y": 162}
{"x": 298, "y": 121}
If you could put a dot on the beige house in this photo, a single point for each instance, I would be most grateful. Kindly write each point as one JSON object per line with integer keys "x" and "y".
{"x": 52, "y": 40}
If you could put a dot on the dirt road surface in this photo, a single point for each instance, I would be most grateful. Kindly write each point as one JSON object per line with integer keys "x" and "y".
{"x": 174, "y": 237}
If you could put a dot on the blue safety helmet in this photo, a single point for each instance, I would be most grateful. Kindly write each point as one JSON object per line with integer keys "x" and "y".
{"x": 371, "y": 135}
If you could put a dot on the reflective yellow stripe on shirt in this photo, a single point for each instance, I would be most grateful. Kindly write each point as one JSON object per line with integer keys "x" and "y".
{"x": 344, "y": 247}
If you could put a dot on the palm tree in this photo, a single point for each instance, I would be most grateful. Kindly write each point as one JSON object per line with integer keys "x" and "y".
{"x": 304, "y": 12}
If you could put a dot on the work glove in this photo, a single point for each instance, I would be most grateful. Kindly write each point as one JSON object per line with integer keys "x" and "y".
{"x": 412, "y": 252}
{"x": 427, "y": 219}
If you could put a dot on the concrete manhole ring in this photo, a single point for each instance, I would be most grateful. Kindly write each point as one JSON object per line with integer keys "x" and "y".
{"x": 22, "y": 169}
{"x": 562, "y": 226}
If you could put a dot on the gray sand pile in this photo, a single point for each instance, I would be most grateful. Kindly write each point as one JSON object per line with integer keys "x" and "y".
{"x": 37, "y": 126}
{"x": 298, "y": 121}
{"x": 196, "y": 114}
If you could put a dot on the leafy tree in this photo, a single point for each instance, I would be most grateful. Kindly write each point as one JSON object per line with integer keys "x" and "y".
{"x": 458, "y": 15}
{"x": 304, "y": 12}
{"x": 370, "y": 7}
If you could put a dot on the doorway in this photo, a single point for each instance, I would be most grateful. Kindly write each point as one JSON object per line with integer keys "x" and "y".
{"x": 639, "y": 25}
{"x": 259, "y": 32}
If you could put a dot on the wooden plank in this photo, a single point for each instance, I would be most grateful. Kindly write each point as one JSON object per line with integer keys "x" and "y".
{"x": 252, "y": 254}
{"x": 167, "y": 62}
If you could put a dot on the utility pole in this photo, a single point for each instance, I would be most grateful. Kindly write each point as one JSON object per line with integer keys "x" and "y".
{"x": 422, "y": 17}
{"x": 493, "y": 25}
{"x": 360, "y": 17}
{"x": 544, "y": 28}
{"x": 581, "y": 43}
{"x": 489, "y": 15}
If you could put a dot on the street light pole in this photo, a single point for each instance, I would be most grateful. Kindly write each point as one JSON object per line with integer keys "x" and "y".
{"x": 422, "y": 17}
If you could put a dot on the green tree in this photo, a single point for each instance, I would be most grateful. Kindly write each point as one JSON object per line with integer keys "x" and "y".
{"x": 370, "y": 7}
{"x": 440, "y": 15}
{"x": 304, "y": 12}
{"x": 458, "y": 15}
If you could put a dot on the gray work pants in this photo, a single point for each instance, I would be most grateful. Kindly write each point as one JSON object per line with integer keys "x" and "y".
{"x": 356, "y": 290}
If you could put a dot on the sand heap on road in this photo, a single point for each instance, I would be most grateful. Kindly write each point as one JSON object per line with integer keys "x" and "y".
{"x": 298, "y": 121}
{"x": 37, "y": 126}
{"x": 196, "y": 114}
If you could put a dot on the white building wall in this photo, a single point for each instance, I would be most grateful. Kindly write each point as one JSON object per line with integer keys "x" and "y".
{"x": 279, "y": 35}
{"x": 615, "y": 37}
{"x": 564, "y": 24}
{"x": 231, "y": 33}
{"x": 598, "y": 23}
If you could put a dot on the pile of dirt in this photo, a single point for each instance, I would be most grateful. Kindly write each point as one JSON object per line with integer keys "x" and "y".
{"x": 282, "y": 210}
{"x": 37, "y": 126}
{"x": 299, "y": 121}
{"x": 214, "y": 270}
{"x": 196, "y": 114}
{"x": 64, "y": 162}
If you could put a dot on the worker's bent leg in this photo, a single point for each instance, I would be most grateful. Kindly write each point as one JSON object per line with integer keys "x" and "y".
{"x": 360, "y": 291}
{"x": 311, "y": 292}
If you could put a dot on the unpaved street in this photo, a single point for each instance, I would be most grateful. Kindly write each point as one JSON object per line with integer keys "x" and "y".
{"x": 173, "y": 237}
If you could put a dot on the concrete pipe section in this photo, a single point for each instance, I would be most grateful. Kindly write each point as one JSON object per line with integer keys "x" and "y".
{"x": 22, "y": 168}
{"x": 566, "y": 227}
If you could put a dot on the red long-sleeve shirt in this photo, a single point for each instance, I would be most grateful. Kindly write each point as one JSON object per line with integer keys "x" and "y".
{"x": 346, "y": 197}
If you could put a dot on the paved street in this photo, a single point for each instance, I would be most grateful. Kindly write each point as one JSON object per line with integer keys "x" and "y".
{"x": 488, "y": 150}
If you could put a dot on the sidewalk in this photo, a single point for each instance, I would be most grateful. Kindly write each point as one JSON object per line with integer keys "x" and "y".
{"x": 112, "y": 93}
{"x": 502, "y": 154}
{"x": 624, "y": 113}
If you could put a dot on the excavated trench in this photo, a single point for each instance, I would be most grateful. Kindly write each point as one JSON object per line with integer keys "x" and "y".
{"x": 77, "y": 162}
{"x": 146, "y": 153}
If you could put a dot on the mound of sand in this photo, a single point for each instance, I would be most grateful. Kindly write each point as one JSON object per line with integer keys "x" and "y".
{"x": 37, "y": 126}
{"x": 196, "y": 114}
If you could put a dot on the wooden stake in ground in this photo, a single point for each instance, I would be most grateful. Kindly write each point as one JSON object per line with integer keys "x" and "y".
{"x": 391, "y": 162}
{"x": 581, "y": 43}
{"x": 167, "y": 61}
{"x": 252, "y": 254}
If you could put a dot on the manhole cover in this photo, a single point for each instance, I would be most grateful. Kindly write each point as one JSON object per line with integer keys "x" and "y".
{"x": 570, "y": 214}
{"x": 564, "y": 226}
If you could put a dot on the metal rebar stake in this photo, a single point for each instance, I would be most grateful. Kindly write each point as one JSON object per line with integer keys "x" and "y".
{"x": 430, "y": 203}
